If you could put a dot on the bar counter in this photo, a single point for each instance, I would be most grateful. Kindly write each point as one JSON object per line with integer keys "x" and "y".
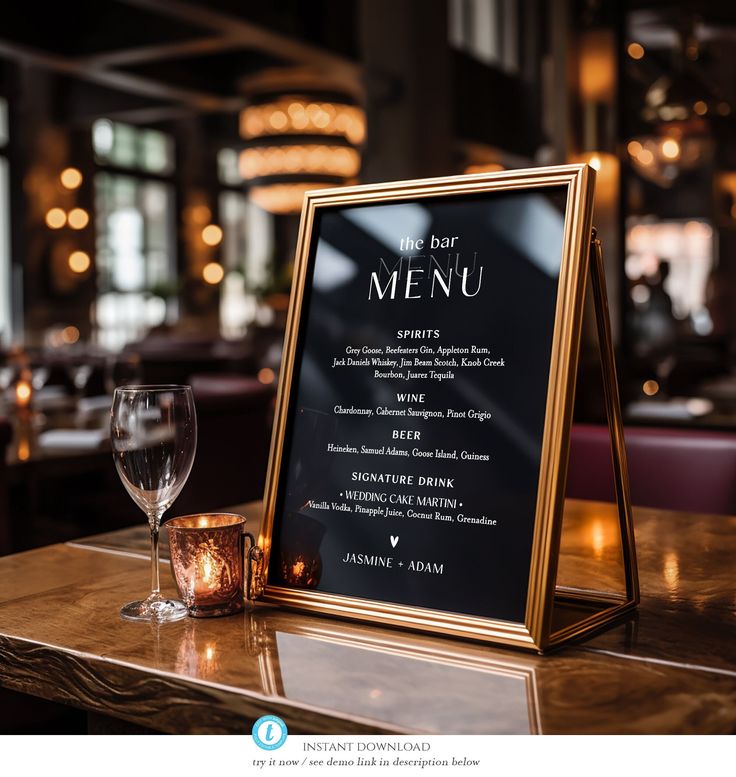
{"x": 669, "y": 669}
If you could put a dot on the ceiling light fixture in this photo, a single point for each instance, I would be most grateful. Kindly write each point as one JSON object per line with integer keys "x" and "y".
{"x": 302, "y": 130}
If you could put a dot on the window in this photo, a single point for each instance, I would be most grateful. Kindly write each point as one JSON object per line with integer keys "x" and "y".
{"x": 136, "y": 267}
{"x": 122, "y": 145}
{"x": 668, "y": 264}
{"x": 486, "y": 30}
{"x": 247, "y": 245}
{"x": 6, "y": 281}
{"x": 247, "y": 250}
{"x": 227, "y": 167}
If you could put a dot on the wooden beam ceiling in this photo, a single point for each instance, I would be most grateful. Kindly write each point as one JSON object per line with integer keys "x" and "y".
{"x": 221, "y": 32}
{"x": 250, "y": 35}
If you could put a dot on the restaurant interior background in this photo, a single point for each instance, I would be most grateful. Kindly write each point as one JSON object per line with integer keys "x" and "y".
{"x": 153, "y": 158}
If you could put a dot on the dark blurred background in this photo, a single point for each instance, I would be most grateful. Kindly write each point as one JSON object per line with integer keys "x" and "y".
{"x": 153, "y": 159}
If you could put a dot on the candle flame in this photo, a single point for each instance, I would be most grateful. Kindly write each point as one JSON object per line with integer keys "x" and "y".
{"x": 208, "y": 568}
{"x": 23, "y": 392}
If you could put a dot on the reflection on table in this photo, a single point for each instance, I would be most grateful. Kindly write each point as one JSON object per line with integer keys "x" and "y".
{"x": 670, "y": 669}
{"x": 394, "y": 678}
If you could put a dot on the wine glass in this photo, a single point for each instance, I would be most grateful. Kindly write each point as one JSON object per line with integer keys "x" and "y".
{"x": 7, "y": 374}
{"x": 79, "y": 368}
{"x": 153, "y": 430}
{"x": 40, "y": 374}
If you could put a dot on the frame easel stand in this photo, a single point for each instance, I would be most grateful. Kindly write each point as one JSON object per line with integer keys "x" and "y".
{"x": 577, "y": 612}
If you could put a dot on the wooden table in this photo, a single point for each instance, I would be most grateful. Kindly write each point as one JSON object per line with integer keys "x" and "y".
{"x": 670, "y": 669}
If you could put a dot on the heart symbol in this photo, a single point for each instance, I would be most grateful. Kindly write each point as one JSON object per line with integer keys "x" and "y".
{"x": 394, "y": 541}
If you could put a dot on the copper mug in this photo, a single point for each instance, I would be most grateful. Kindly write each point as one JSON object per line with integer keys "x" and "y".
{"x": 208, "y": 561}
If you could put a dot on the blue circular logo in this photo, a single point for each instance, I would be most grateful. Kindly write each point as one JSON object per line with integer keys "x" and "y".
{"x": 269, "y": 732}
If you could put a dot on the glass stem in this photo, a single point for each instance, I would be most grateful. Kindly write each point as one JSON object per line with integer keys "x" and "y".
{"x": 153, "y": 521}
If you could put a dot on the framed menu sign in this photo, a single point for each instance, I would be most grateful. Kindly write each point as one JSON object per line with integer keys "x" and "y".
{"x": 419, "y": 453}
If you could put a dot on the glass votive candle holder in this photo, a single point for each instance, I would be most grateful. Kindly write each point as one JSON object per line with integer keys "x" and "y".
{"x": 207, "y": 561}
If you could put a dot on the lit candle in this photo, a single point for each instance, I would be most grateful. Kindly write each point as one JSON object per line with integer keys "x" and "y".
{"x": 23, "y": 391}
{"x": 209, "y": 573}
{"x": 207, "y": 562}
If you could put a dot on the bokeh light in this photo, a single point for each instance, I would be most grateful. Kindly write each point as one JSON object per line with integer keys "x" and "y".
{"x": 78, "y": 218}
{"x": 79, "y": 261}
{"x": 55, "y": 218}
{"x": 213, "y": 273}
{"x": 212, "y": 235}
{"x": 71, "y": 178}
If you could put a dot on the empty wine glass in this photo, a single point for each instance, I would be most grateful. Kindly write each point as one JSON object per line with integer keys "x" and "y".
{"x": 80, "y": 372}
{"x": 40, "y": 374}
{"x": 7, "y": 374}
{"x": 153, "y": 430}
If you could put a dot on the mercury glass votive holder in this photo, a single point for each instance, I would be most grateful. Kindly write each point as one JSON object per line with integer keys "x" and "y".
{"x": 207, "y": 561}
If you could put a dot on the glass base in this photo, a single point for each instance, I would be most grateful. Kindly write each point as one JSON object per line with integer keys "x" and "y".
{"x": 215, "y": 610}
{"x": 156, "y": 608}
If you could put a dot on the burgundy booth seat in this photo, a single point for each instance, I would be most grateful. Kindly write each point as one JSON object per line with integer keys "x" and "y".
{"x": 673, "y": 469}
{"x": 234, "y": 429}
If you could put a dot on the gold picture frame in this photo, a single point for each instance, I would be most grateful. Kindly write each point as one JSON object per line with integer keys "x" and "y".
{"x": 552, "y": 616}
